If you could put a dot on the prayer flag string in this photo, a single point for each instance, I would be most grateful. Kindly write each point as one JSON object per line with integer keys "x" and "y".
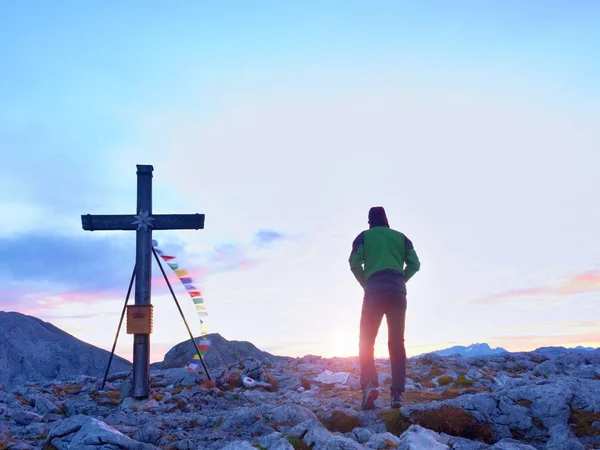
{"x": 196, "y": 297}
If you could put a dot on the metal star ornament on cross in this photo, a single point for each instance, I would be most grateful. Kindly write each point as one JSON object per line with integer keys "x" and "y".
{"x": 143, "y": 220}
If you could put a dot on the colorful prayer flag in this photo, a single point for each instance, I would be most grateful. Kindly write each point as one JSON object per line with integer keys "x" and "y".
{"x": 195, "y": 295}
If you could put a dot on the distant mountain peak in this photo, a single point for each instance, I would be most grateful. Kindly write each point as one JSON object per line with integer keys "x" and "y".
{"x": 484, "y": 349}
{"x": 34, "y": 350}
{"x": 477, "y": 349}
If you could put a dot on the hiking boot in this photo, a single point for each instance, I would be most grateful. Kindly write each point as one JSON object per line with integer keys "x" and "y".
{"x": 396, "y": 400}
{"x": 370, "y": 394}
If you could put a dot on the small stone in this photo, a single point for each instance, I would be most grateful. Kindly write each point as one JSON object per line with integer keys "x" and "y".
{"x": 20, "y": 446}
{"x": 255, "y": 369}
{"x": 43, "y": 405}
{"x": 382, "y": 440}
{"x": 126, "y": 388}
{"x": 416, "y": 438}
{"x": 148, "y": 434}
{"x": 562, "y": 438}
{"x": 299, "y": 430}
{"x": 255, "y": 396}
{"x": 317, "y": 436}
{"x": 510, "y": 444}
{"x": 342, "y": 443}
{"x": 240, "y": 418}
{"x": 288, "y": 414}
{"x": 26, "y": 417}
{"x": 239, "y": 445}
{"x": 362, "y": 434}
{"x": 275, "y": 441}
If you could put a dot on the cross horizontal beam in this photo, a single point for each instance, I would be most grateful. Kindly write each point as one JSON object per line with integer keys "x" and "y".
{"x": 126, "y": 222}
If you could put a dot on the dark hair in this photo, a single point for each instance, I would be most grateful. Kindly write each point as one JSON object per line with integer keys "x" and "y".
{"x": 378, "y": 217}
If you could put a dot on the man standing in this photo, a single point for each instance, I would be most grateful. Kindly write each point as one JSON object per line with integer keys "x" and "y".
{"x": 384, "y": 252}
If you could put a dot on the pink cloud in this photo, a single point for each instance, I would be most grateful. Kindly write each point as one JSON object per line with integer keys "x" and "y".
{"x": 498, "y": 298}
{"x": 584, "y": 282}
{"x": 44, "y": 304}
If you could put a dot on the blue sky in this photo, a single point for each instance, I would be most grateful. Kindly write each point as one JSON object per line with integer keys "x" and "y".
{"x": 474, "y": 123}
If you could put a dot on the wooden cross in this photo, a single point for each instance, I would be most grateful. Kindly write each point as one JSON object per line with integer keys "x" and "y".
{"x": 143, "y": 223}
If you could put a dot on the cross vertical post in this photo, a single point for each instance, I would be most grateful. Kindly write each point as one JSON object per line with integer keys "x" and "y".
{"x": 143, "y": 258}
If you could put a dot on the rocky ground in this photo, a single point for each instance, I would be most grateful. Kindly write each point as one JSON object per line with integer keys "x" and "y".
{"x": 514, "y": 401}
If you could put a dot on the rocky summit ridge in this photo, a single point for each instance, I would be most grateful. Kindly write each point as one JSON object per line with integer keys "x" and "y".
{"x": 32, "y": 350}
{"x": 498, "y": 402}
{"x": 221, "y": 352}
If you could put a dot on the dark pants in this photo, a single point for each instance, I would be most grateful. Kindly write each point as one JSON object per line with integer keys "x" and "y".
{"x": 392, "y": 304}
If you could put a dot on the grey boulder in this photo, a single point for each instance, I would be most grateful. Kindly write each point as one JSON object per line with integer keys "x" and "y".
{"x": 417, "y": 438}
{"x": 86, "y": 433}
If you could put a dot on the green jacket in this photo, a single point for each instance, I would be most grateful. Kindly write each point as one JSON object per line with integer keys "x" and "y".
{"x": 388, "y": 257}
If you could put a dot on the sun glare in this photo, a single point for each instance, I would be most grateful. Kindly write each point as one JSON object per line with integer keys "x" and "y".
{"x": 344, "y": 343}
{"x": 340, "y": 343}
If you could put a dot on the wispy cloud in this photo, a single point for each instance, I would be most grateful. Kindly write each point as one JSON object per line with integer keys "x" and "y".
{"x": 42, "y": 272}
{"x": 264, "y": 238}
{"x": 226, "y": 256}
{"x": 82, "y": 262}
{"x": 588, "y": 281}
{"x": 39, "y": 268}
